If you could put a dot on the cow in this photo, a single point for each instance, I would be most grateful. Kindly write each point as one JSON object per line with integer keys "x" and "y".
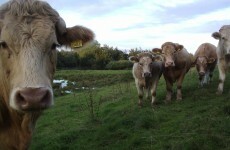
{"x": 223, "y": 54}
{"x": 205, "y": 62}
{"x": 177, "y": 62}
{"x": 30, "y": 32}
{"x": 147, "y": 70}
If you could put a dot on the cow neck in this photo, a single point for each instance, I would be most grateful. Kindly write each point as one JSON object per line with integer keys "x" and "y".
{"x": 17, "y": 124}
{"x": 4, "y": 114}
{"x": 147, "y": 79}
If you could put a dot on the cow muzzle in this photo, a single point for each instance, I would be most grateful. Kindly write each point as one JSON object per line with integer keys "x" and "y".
{"x": 169, "y": 64}
{"x": 201, "y": 73}
{"x": 33, "y": 99}
{"x": 147, "y": 74}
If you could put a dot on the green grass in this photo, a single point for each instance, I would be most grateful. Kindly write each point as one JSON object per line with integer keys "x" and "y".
{"x": 201, "y": 121}
{"x": 98, "y": 78}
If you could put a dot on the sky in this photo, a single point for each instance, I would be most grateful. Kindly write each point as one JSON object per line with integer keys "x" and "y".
{"x": 146, "y": 24}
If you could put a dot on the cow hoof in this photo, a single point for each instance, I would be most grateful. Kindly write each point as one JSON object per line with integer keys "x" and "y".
{"x": 179, "y": 99}
{"x": 219, "y": 93}
{"x": 140, "y": 105}
{"x": 153, "y": 104}
{"x": 167, "y": 101}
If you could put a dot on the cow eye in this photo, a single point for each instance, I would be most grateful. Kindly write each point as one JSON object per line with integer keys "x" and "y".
{"x": 54, "y": 46}
{"x": 140, "y": 64}
{"x": 223, "y": 38}
{"x": 3, "y": 44}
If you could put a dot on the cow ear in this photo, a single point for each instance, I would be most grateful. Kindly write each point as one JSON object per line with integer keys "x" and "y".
{"x": 75, "y": 37}
{"x": 157, "y": 51}
{"x": 133, "y": 59}
{"x": 216, "y": 35}
{"x": 211, "y": 60}
{"x": 178, "y": 47}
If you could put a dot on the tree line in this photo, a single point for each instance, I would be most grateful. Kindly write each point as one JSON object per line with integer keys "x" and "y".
{"x": 95, "y": 56}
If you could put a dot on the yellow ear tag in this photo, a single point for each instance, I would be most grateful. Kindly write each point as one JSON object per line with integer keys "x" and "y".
{"x": 76, "y": 44}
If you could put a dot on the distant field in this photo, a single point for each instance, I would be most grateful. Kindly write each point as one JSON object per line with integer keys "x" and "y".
{"x": 96, "y": 78}
{"x": 109, "y": 118}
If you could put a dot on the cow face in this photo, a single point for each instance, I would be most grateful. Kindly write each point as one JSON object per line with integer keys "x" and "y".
{"x": 27, "y": 61}
{"x": 28, "y": 54}
{"x": 144, "y": 61}
{"x": 168, "y": 50}
{"x": 202, "y": 64}
{"x": 224, "y": 39}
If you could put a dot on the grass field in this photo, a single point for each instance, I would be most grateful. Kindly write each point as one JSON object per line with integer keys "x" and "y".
{"x": 109, "y": 118}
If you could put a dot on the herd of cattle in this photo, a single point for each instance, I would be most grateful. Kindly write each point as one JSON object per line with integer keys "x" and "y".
{"x": 173, "y": 61}
{"x": 30, "y": 31}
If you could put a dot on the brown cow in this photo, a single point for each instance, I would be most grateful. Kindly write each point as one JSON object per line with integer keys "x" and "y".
{"x": 205, "y": 61}
{"x": 223, "y": 54}
{"x": 177, "y": 62}
{"x": 30, "y": 31}
{"x": 147, "y": 70}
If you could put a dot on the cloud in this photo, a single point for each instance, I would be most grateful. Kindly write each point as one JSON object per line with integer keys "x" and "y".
{"x": 129, "y": 24}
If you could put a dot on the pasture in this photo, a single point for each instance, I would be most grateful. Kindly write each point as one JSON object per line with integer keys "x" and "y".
{"x": 108, "y": 116}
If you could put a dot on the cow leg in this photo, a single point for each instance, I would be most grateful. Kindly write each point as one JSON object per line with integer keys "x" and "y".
{"x": 153, "y": 92}
{"x": 148, "y": 93}
{"x": 140, "y": 92}
{"x": 206, "y": 77}
{"x": 210, "y": 77}
{"x": 179, "y": 87}
{"x": 140, "y": 95}
{"x": 201, "y": 78}
{"x": 222, "y": 75}
{"x": 169, "y": 86}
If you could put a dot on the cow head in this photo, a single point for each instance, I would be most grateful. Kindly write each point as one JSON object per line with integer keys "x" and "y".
{"x": 144, "y": 61}
{"x": 30, "y": 31}
{"x": 202, "y": 64}
{"x": 224, "y": 40}
{"x": 168, "y": 50}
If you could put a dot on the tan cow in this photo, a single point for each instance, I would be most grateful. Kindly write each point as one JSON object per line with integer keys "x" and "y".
{"x": 223, "y": 54}
{"x": 177, "y": 62}
{"x": 30, "y": 31}
{"x": 147, "y": 70}
{"x": 205, "y": 61}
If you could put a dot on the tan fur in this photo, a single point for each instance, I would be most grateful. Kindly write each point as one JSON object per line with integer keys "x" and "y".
{"x": 29, "y": 32}
{"x": 205, "y": 61}
{"x": 223, "y": 54}
{"x": 149, "y": 83}
{"x": 182, "y": 63}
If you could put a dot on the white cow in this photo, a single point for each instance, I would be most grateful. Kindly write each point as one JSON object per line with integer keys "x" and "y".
{"x": 223, "y": 54}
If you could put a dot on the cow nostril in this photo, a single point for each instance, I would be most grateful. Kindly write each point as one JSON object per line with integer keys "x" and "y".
{"x": 46, "y": 97}
{"x": 147, "y": 74}
{"x": 201, "y": 73}
{"x": 169, "y": 63}
{"x": 20, "y": 100}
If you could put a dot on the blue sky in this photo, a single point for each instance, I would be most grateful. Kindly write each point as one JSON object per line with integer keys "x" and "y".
{"x": 147, "y": 24}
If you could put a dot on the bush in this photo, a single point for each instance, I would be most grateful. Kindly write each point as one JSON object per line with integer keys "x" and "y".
{"x": 118, "y": 65}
